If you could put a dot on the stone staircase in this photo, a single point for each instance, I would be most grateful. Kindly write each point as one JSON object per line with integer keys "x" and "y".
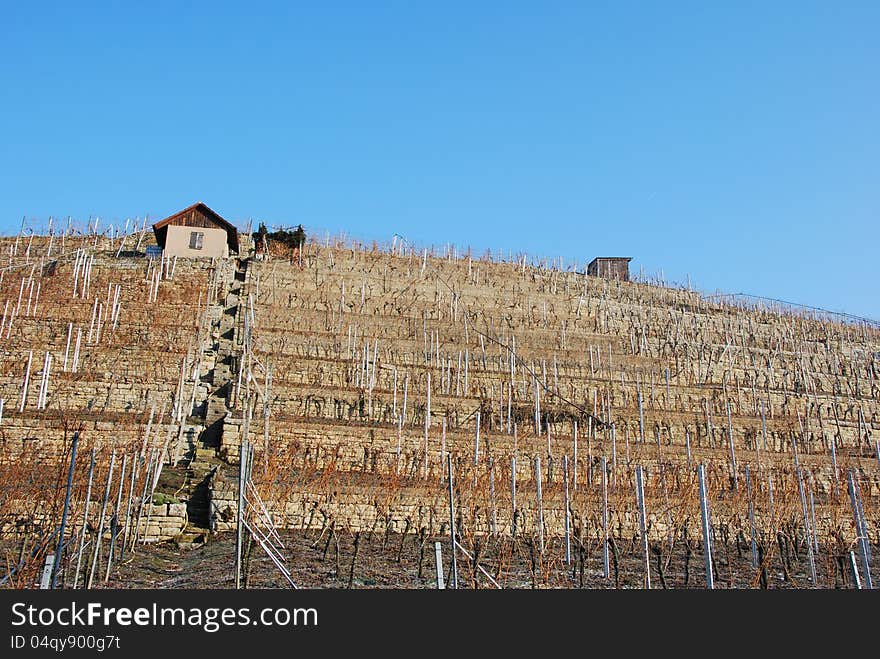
{"x": 202, "y": 438}
{"x": 230, "y": 329}
{"x": 203, "y": 457}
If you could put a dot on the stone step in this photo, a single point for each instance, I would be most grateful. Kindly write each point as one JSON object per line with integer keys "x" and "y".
{"x": 216, "y": 417}
{"x": 201, "y": 465}
{"x": 204, "y": 457}
{"x": 221, "y": 371}
{"x": 192, "y": 537}
{"x": 216, "y": 405}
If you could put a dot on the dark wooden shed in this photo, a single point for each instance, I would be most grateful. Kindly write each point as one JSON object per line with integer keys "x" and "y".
{"x": 610, "y": 267}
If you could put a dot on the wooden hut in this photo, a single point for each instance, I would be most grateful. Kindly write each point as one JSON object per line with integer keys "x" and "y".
{"x": 196, "y": 232}
{"x": 610, "y": 267}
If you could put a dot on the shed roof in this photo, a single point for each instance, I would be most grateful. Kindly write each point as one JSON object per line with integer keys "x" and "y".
{"x": 160, "y": 228}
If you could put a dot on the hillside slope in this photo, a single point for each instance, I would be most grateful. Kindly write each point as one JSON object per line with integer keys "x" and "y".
{"x": 360, "y": 374}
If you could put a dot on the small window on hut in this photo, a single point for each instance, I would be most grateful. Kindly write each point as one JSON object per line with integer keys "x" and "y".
{"x": 195, "y": 239}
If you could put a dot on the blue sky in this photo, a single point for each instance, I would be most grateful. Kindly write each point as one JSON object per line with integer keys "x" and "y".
{"x": 738, "y": 144}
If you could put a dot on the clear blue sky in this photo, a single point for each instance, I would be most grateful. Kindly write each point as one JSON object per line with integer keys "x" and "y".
{"x": 739, "y": 144}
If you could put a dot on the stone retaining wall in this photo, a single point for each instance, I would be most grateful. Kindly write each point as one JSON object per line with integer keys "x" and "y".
{"x": 158, "y": 523}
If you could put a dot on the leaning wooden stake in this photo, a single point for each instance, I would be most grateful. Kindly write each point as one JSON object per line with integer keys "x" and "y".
{"x": 76, "y": 350}
{"x": 60, "y": 546}
{"x": 27, "y": 377}
{"x": 752, "y": 531}
{"x": 704, "y": 515}
{"x": 85, "y": 520}
{"x": 427, "y": 428}
{"x": 493, "y": 517}
{"x": 513, "y": 496}
{"x": 861, "y": 531}
{"x": 605, "y": 566}
{"x": 641, "y": 420}
{"x": 67, "y": 346}
{"x": 732, "y": 450}
{"x": 96, "y": 552}
{"x": 567, "y": 512}
{"x": 454, "y": 581}
{"x": 399, "y": 433}
{"x": 148, "y": 467}
{"x": 807, "y": 531}
{"x": 540, "y": 503}
{"x": 643, "y": 523}
{"x": 476, "y": 445}
{"x": 128, "y": 508}
{"x": 243, "y": 455}
{"x": 114, "y": 523}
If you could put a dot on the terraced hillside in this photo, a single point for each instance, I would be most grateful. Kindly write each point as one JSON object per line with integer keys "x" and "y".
{"x": 577, "y": 414}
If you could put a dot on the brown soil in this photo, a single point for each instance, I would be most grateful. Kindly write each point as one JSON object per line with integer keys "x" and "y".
{"x": 318, "y": 560}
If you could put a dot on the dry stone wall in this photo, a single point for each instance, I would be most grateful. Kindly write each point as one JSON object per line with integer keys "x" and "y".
{"x": 382, "y": 364}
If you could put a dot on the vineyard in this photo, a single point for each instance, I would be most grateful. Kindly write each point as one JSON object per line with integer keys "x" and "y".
{"x": 351, "y": 415}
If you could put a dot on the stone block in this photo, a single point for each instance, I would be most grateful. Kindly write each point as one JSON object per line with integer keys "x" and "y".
{"x": 177, "y": 509}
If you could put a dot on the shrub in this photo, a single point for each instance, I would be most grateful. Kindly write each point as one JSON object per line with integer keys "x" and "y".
{"x": 293, "y": 239}
{"x": 160, "y": 499}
